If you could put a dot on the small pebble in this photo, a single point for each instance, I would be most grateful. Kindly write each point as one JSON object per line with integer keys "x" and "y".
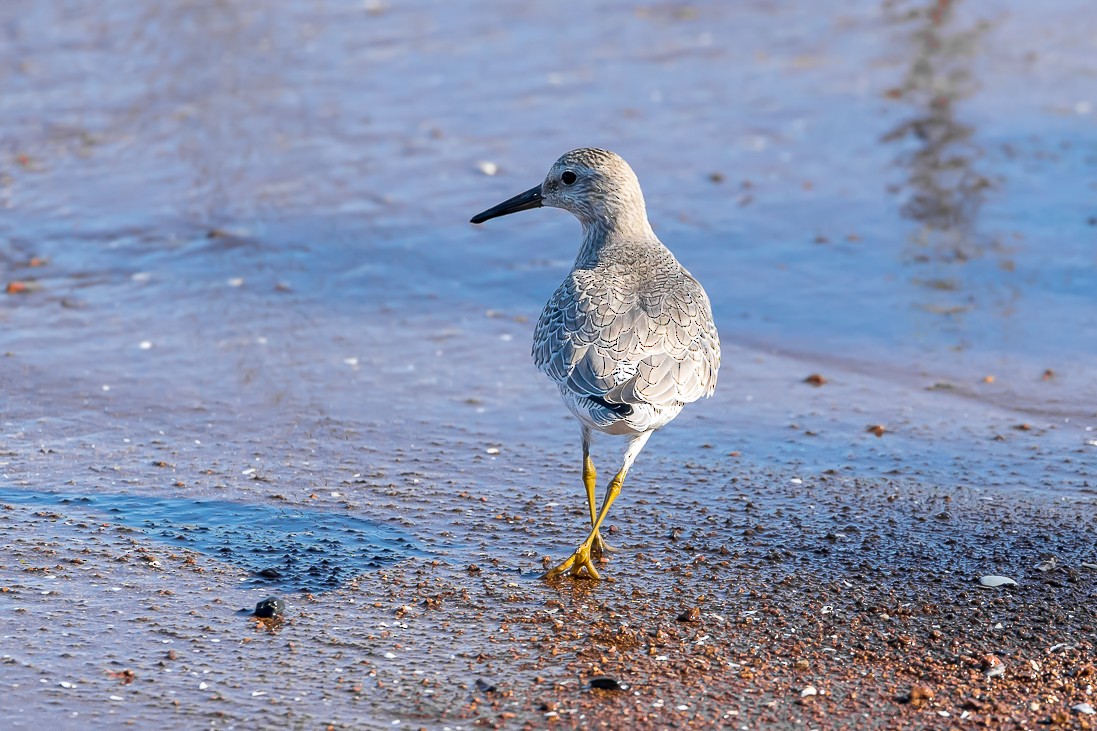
{"x": 484, "y": 687}
{"x": 992, "y": 666}
{"x": 993, "y": 581}
{"x": 917, "y": 695}
{"x": 1085, "y": 708}
{"x": 693, "y": 614}
{"x": 809, "y": 691}
{"x": 270, "y": 607}
{"x": 605, "y": 682}
{"x": 921, "y": 693}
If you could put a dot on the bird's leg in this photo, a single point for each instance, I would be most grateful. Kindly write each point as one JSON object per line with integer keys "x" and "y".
{"x": 590, "y": 480}
{"x": 581, "y": 559}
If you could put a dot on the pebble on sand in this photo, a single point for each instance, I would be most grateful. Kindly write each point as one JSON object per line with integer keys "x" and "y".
{"x": 605, "y": 682}
{"x": 693, "y": 614}
{"x": 992, "y": 581}
{"x": 992, "y": 666}
{"x": 270, "y": 607}
{"x": 917, "y": 695}
{"x": 1047, "y": 564}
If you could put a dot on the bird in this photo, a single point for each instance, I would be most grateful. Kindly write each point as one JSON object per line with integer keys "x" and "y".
{"x": 628, "y": 336}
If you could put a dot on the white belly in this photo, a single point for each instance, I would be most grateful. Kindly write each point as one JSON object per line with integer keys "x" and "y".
{"x": 644, "y": 417}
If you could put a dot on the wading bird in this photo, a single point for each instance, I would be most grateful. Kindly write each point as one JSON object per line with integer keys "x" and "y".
{"x": 628, "y": 336}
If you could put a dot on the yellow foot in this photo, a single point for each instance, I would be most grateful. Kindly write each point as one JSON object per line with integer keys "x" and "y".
{"x": 579, "y": 560}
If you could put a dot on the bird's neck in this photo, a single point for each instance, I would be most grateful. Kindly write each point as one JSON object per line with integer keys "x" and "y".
{"x": 604, "y": 236}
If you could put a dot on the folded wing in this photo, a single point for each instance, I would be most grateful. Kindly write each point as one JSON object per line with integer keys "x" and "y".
{"x": 656, "y": 344}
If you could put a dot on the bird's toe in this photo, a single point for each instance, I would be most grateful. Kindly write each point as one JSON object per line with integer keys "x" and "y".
{"x": 576, "y": 564}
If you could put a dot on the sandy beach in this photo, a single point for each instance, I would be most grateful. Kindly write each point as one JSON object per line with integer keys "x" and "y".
{"x": 250, "y": 348}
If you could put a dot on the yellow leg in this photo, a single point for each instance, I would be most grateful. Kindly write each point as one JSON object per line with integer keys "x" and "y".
{"x": 590, "y": 480}
{"x": 581, "y": 559}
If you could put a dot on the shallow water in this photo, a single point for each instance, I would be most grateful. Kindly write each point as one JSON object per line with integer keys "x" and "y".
{"x": 877, "y": 212}
{"x": 287, "y": 549}
{"x": 255, "y": 283}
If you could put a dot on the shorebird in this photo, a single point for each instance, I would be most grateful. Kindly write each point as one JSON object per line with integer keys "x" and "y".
{"x": 628, "y": 336}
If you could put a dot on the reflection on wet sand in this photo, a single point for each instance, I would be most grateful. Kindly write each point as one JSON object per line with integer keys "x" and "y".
{"x": 945, "y": 189}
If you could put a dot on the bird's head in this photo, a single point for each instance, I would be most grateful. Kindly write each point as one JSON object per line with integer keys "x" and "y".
{"x": 597, "y": 186}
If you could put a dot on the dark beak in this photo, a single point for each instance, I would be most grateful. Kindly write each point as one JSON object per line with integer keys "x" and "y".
{"x": 521, "y": 202}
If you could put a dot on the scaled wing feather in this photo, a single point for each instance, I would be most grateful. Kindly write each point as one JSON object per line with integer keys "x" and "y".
{"x": 656, "y": 346}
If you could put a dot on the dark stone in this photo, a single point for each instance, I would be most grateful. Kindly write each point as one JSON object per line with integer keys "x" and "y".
{"x": 270, "y": 607}
{"x": 605, "y": 682}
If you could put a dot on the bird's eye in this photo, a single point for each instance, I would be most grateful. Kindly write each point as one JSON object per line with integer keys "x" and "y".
{"x": 567, "y": 177}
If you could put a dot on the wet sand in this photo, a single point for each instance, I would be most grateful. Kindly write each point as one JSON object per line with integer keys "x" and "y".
{"x": 251, "y": 348}
{"x": 862, "y": 589}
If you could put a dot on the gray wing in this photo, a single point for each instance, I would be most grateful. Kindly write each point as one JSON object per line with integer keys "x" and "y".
{"x": 657, "y": 345}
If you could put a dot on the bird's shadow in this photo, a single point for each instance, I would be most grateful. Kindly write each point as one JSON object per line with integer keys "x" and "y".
{"x": 289, "y": 548}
